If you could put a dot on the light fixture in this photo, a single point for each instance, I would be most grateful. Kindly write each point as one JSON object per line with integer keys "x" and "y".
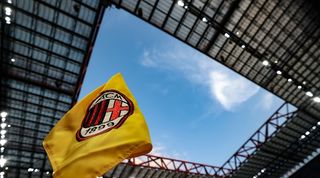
{"x": 7, "y": 10}
{"x": 318, "y": 123}
{"x": 9, "y": 1}
{"x": 304, "y": 82}
{"x": 299, "y": 87}
{"x": 243, "y": 46}
{"x": 2, "y": 149}
{"x": 276, "y": 61}
{"x": 36, "y": 170}
{"x": 3, "y": 114}
{"x": 186, "y": 7}
{"x": 9, "y": 125}
{"x": 180, "y": 3}
{"x": 307, "y": 132}
{"x": 279, "y": 72}
{"x": 238, "y": 33}
{"x": 13, "y": 60}
{"x": 30, "y": 169}
{"x": 8, "y": 19}
{"x": 2, "y": 132}
{"x": 265, "y": 63}
{"x": 3, "y": 136}
{"x": 2, "y": 161}
{"x": 3, "y": 125}
{"x": 289, "y": 80}
{"x": 314, "y": 127}
{"x": 308, "y": 93}
{"x": 47, "y": 172}
{"x": 204, "y": 19}
{"x": 316, "y": 99}
{"x": 302, "y": 137}
{"x": 3, "y": 142}
{"x": 227, "y": 35}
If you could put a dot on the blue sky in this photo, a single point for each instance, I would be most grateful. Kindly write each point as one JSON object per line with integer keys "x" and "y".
{"x": 196, "y": 109}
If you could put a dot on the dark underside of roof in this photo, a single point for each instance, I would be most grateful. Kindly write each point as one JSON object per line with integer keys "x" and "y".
{"x": 284, "y": 150}
{"x": 311, "y": 170}
{"x": 46, "y": 47}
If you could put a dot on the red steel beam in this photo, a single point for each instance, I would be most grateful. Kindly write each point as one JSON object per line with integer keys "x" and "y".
{"x": 160, "y": 162}
{"x": 151, "y": 161}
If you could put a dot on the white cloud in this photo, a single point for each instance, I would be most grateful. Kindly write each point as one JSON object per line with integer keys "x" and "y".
{"x": 160, "y": 150}
{"x": 230, "y": 91}
{"x": 267, "y": 101}
{"x": 147, "y": 60}
{"x": 224, "y": 86}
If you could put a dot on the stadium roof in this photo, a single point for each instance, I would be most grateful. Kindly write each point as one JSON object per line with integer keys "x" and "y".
{"x": 46, "y": 46}
{"x": 309, "y": 170}
{"x": 45, "y": 49}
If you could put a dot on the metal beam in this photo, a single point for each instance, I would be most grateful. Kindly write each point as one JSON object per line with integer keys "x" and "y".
{"x": 233, "y": 7}
{"x": 91, "y": 42}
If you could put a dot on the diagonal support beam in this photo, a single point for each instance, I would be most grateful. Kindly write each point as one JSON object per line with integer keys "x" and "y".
{"x": 224, "y": 21}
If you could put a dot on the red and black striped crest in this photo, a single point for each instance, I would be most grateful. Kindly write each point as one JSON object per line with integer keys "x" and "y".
{"x": 106, "y": 112}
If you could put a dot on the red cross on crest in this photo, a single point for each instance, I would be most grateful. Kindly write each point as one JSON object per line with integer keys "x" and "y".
{"x": 107, "y": 111}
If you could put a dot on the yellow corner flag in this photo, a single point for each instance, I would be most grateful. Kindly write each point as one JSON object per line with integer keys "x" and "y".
{"x": 99, "y": 132}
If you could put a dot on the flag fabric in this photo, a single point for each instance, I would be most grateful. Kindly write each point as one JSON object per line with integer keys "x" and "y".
{"x": 99, "y": 132}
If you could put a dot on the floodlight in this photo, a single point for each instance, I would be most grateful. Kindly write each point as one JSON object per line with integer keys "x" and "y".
{"x": 316, "y": 99}
{"x": 265, "y": 63}
{"x": 4, "y": 114}
{"x": 204, "y": 19}
{"x": 180, "y": 3}
{"x": 309, "y": 93}
{"x": 7, "y": 10}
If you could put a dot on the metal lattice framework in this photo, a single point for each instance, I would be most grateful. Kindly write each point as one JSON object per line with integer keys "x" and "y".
{"x": 280, "y": 144}
{"x": 160, "y": 162}
{"x": 46, "y": 46}
{"x": 158, "y": 166}
{"x": 263, "y": 135}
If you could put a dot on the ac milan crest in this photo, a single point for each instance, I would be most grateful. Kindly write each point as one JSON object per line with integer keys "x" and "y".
{"x": 106, "y": 112}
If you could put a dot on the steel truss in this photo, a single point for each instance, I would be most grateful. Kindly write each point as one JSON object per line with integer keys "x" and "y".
{"x": 278, "y": 120}
{"x": 160, "y": 162}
